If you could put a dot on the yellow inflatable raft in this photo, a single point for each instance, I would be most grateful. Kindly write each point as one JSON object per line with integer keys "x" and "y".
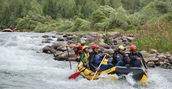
{"x": 114, "y": 73}
{"x": 7, "y": 30}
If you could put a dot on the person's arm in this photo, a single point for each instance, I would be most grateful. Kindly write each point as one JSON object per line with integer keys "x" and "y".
{"x": 82, "y": 56}
{"x": 142, "y": 59}
{"x": 73, "y": 58}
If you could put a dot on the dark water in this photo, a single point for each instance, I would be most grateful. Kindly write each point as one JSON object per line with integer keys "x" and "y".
{"x": 23, "y": 67}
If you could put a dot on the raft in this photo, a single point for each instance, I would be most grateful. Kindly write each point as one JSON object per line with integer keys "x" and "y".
{"x": 114, "y": 73}
{"x": 7, "y": 30}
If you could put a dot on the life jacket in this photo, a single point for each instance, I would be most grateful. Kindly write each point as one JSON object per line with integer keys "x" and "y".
{"x": 133, "y": 61}
{"x": 85, "y": 58}
{"x": 117, "y": 53}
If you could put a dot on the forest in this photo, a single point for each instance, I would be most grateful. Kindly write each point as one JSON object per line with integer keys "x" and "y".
{"x": 83, "y": 15}
{"x": 150, "y": 18}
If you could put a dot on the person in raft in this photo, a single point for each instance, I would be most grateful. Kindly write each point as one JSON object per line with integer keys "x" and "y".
{"x": 78, "y": 52}
{"x": 119, "y": 57}
{"x": 95, "y": 59}
{"x": 85, "y": 56}
{"x": 136, "y": 58}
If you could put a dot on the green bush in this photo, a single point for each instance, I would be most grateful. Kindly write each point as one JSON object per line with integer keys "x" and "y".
{"x": 81, "y": 25}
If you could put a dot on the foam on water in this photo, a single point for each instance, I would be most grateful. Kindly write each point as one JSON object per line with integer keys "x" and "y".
{"x": 22, "y": 67}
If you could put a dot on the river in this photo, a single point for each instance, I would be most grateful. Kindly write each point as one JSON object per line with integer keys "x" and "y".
{"x": 24, "y": 66}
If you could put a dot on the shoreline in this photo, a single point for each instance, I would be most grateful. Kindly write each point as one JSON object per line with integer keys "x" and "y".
{"x": 114, "y": 39}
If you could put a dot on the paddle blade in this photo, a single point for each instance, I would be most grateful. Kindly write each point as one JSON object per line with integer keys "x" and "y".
{"x": 74, "y": 76}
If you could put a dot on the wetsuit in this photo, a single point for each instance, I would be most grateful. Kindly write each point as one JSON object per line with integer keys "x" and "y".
{"x": 95, "y": 60}
{"x": 133, "y": 60}
{"x": 121, "y": 61}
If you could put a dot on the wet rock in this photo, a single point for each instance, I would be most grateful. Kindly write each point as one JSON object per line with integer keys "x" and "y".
{"x": 61, "y": 48}
{"x": 95, "y": 34}
{"x": 165, "y": 65}
{"x": 144, "y": 53}
{"x": 56, "y": 45}
{"x": 60, "y": 39}
{"x": 154, "y": 59}
{"x": 45, "y": 36}
{"x": 161, "y": 56}
{"x": 152, "y": 55}
{"x": 151, "y": 64}
{"x": 153, "y": 51}
{"x": 109, "y": 51}
{"x": 47, "y": 49}
{"x": 113, "y": 34}
{"x": 63, "y": 56}
{"x": 167, "y": 54}
{"x": 53, "y": 36}
{"x": 170, "y": 59}
{"x": 45, "y": 41}
{"x": 146, "y": 60}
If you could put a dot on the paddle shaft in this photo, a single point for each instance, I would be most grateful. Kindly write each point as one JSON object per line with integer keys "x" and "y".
{"x": 68, "y": 57}
{"x": 144, "y": 68}
{"x": 98, "y": 68}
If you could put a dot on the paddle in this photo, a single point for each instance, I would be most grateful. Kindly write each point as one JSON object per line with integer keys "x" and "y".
{"x": 74, "y": 76}
{"x": 144, "y": 68}
{"x": 98, "y": 68}
{"x": 68, "y": 57}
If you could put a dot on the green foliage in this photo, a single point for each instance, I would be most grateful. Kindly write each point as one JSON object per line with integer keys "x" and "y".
{"x": 83, "y": 15}
{"x": 31, "y": 22}
{"x": 107, "y": 40}
{"x": 119, "y": 19}
{"x": 156, "y": 36}
{"x": 81, "y": 25}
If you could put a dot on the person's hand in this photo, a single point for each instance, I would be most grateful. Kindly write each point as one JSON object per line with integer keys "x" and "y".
{"x": 118, "y": 57}
{"x": 139, "y": 58}
{"x": 106, "y": 54}
{"x": 88, "y": 66}
{"x": 97, "y": 69}
{"x": 146, "y": 70}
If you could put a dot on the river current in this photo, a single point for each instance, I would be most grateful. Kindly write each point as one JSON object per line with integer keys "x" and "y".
{"x": 24, "y": 66}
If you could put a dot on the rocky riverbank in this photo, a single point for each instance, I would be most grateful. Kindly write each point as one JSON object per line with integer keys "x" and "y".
{"x": 108, "y": 43}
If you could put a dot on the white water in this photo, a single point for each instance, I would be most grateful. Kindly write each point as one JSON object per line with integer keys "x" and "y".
{"x": 22, "y": 66}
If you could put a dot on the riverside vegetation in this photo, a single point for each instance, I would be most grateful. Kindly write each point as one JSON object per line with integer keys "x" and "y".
{"x": 150, "y": 20}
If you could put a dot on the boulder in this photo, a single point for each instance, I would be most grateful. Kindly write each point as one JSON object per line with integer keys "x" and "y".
{"x": 47, "y": 49}
{"x": 151, "y": 64}
{"x": 60, "y": 39}
{"x": 161, "y": 56}
{"x": 153, "y": 51}
{"x": 170, "y": 59}
{"x": 145, "y": 53}
{"x": 167, "y": 54}
{"x": 95, "y": 34}
{"x": 53, "y": 36}
{"x": 57, "y": 53}
{"x": 56, "y": 45}
{"x": 113, "y": 34}
{"x": 45, "y": 36}
{"x": 109, "y": 51}
{"x": 154, "y": 59}
{"x": 46, "y": 41}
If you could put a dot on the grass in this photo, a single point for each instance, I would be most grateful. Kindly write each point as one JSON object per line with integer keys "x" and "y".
{"x": 155, "y": 36}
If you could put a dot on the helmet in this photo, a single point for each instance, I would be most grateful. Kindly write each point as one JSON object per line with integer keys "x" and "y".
{"x": 85, "y": 47}
{"x": 121, "y": 47}
{"x": 79, "y": 47}
{"x": 95, "y": 46}
{"x": 133, "y": 47}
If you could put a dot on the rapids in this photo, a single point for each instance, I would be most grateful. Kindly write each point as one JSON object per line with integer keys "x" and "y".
{"x": 24, "y": 66}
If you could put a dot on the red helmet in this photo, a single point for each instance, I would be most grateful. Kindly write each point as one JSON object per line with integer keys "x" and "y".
{"x": 95, "y": 46}
{"x": 79, "y": 47}
{"x": 133, "y": 47}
